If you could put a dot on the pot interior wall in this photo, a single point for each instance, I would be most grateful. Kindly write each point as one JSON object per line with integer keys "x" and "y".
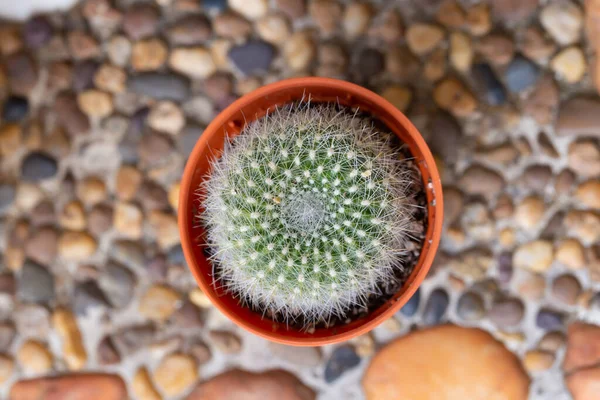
{"x": 230, "y": 123}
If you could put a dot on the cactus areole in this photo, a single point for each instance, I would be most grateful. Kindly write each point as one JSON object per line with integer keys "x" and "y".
{"x": 310, "y": 211}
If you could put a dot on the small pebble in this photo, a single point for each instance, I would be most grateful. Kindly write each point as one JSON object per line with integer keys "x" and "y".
{"x": 34, "y": 357}
{"x": 343, "y": 359}
{"x": 95, "y": 103}
{"x": 15, "y": 109}
{"x": 274, "y": 28}
{"x": 37, "y": 31}
{"x": 118, "y": 50}
{"x": 549, "y": 320}
{"x": 232, "y": 26}
{"x": 479, "y": 20}
{"x": 571, "y": 253}
{"x": 149, "y": 55}
{"x": 451, "y": 95}
{"x": 422, "y": 38}
{"x": 255, "y": 56}
{"x": 399, "y": 96}
{"x": 161, "y": 86}
{"x": 566, "y": 289}
{"x": 356, "y": 19}
{"x": 159, "y": 302}
{"x": 536, "y": 46}
{"x": 76, "y": 246}
{"x": 190, "y": 30}
{"x": 470, "y": 307}
{"x": 461, "y": 51}
{"x": 552, "y": 342}
{"x": 251, "y": 9}
{"x": 118, "y": 283}
{"x": 588, "y": 194}
{"x": 226, "y": 342}
{"x": 100, "y": 219}
{"x": 435, "y": 308}
{"x": 38, "y": 166}
{"x": 506, "y": 312}
{"x": 537, "y": 360}
{"x": 563, "y": 21}
{"x": 36, "y": 284}
{"x": 327, "y": 14}
{"x": 451, "y": 14}
{"x": 175, "y": 374}
{"x": 140, "y": 21}
{"x": 91, "y": 190}
{"x": 142, "y": 386}
{"x": 73, "y": 349}
{"x": 569, "y": 64}
{"x": 584, "y": 157}
{"x": 6, "y": 368}
{"x": 529, "y": 212}
{"x": 412, "y": 305}
{"x": 485, "y": 78}
{"x": 520, "y": 74}
{"x": 194, "y": 62}
{"x": 166, "y": 116}
{"x": 299, "y": 51}
{"x": 497, "y": 49}
{"x": 536, "y": 256}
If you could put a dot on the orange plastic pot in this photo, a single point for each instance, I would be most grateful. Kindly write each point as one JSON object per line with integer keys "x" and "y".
{"x": 230, "y": 122}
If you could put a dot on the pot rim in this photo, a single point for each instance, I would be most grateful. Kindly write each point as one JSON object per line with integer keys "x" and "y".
{"x": 227, "y": 118}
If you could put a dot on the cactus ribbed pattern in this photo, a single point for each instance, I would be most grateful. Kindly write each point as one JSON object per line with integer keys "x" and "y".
{"x": 307, "y": 213}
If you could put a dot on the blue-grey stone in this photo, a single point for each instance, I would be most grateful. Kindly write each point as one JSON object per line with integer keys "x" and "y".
{"x": 175, "y": 255}
{"x": 7, "y": 195}
{"x": 470, "y": 307}
{"x": 36, "y": 284}
{"x": 219, "y": 5}
{"x": 162, "y": 86}
{"x": 343, "y": 359}
{"x": 252, "y": 57}
{"x": 412, "y": 305}
{"x": 87, "y": 295}
{"x": 487, "y": 82}
{"x": 38, "y": 166}
{"x": 117, "y": 282}
{"x": 128, "y": 253}
{"x": 436, "y": 306}
{"x": 549, "y": 320}
{"x": 15, "y": 109}
{"x": 188, "y": 138}
{"x": 521, "y": 74}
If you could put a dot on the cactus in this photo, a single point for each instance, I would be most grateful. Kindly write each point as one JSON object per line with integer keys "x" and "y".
{"x": 307, "y": 213}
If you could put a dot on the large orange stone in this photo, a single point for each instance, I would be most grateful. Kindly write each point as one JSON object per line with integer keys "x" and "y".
{"x": 71, "y": 387}
{"x": 446, "y": 363}
{"x": 585, "y": 384}
{"x": 583, "y": 347}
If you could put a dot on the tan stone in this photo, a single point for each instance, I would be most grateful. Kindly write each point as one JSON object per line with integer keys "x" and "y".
{"x": 95, "y": 103}
{"x": 148, "y": 55}
{"x": 571, "y": 253}
{"x": 529, "y": 212}
{"x": 128, "y": 181}
{"x": 128, "y": 219}
{"x": 435, "y": 65}
{"x": 446, "y": 363}
{"x": 299, "y": 51}
{"x": 327, "y": 14}
{"x": 274, "y": 28}
{"x": 399, "y": 96}
{"x": 74, "y": 352}
{"x": 479, "y": 19}
{"x": 507, "y": 237}
{"x": 588, "y": 194}
{"x": 165, "y": 228}
{"x": 159, "y": 302}
{"x": 422, "y": 38}
{"x": 569, "y": 64}
{"x": 175, "y": 374}
{"x": 7, "y": 366}
{"x": 199, "y": 298}
{"x": 356, "y": 19}
{"x": 91, "y": 190}
{"x": 76, "y": 246}
{"x": 174, "y": 195}
{"x": 538, "y": 360}
{"x": 110, "y": 78}
{"x": 166, "y": 116}
{"x": 142, "y": 386}
{"x": 451, "y": 14}
{"x": 195, "y": 62}
{"x": 73, "y": 216}
{"x": 461, "y": 51}
{"x": 10, "y": 139}
{"x": 452, "y": 95}
{"x": 585, "y": 225}
{"x": 536, "y": 256}
{"x": 251, "y": 9}
{"x": 552, "y": 342}
{"x": 34, "y": 357}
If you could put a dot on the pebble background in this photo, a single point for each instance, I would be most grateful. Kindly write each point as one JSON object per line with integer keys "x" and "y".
{"x": 100, "y": 107}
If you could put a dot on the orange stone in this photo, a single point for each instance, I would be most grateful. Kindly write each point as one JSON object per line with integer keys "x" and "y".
{"x": 72, "y": 387}
{"x": 583, "y": 346}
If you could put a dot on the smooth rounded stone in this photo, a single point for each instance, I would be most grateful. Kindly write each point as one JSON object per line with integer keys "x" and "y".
{"x": 583, "y": 384}
{"x": 584, "y": 157}
{"x": 10, "y": 39}
{"x": 11, "y": 136}
{"x": 479, "y": 180}
{"x": 274, "y": 28}
{"x": 157, "y": 268}
{"x": 588, "y": 194}
{"x": 505, "y": 268}
{"x": 563, "y": 21}
{"x": 41, "y": 246}
{"x": 142, "y": 386}
{"x": 34, "y": 357}
{"x": 302, "y": 356}
{"x": 356, "y": 19}
{"x": 32, "y": 320}
{"x": 435, "y": 308}
{"x": 166, "y": 116}
{"x": 159, "y": 302}
{"x": 473, "y": 263}
{"x": 493, "y": 91}
{"x": 187, "y": 316}
{"x": 129, "y": 253}
{"x": 452, "y": 95}
{"x": 91, "y": 190}
{"x": 423, "y": 38}
{"x": 128, "y": 220}
{"x": 584, "y": 225}
{"x": 370, "y": 62}
{"x": 566, "y": 289}
{"x": 535, "y": 45}
{"x": 399, "y": 96}
{"x": 579, "y": 115}
{"x": 467, "y": 361}
{"x": 110, "y": 78}
{"x": 83, "y": 75}
{"x": 251, "y": 9}
{"x": 7, "y": 334}
{"x": 292, "y": 8}
{"x": 507, "y": 237}
{"x": 569, "y": 64}
{"x": 552, "y": 342}
{"x": 506, "y": 312}
{"x": 89, "y": 386}
{"x": 496, "y": 48}
{"x": 37, "y": 166}
{"x": 549, "y": 320}
{"x": 461, "y": 51}
{"x": 117, "y": 283}
{"x": 106, "y": 352}
{"x": 6, "y": 368}
{"x": 8, "y": 285}
{"x": 82, "y": 46}
{"x": 252, "y": 57}
{"x": 118, "y": 50}
{"x": 194, "y": 62}
{"x": 521, "y": 74}
{"x": 127, "y": 182}
{"x": 231, "y": 25}
{"x": 583, "y": 348}
{"x": 529, "y": 212}
{"x": 70, "y": 115}
{"x": 479, "y": 20}
{"x": 400, "y": 62}
{"x": 152, "y": 196}
{"x": 140, "y": 21}
{"x": 547, "y": 146}
{"x": 165, "y": 228}
{"x": 514, "y": 10}
{"x": 175, "y": 374}
{"x": 87, "y": 295}
{"x": 7, "y": 195}
{"x": 161, "y": 86}
{"x": 477, "y": 222}
{"x": 35, "y": 284}
{"x": 536, "y": 178}
{"x": 266, "y": 385}
{"x": 343, "y": 359}
{"x": 76, "y": 246}
{"x": 326, "y": 14}
{"x": 15, "y": 109}
{"x": 535, "y": 256}
{"x": 225, "y": 341}
{"x": 148, "y": 55}
{"x": 37, "y": 31}
{"x": 95, "y": 103}
{"x": 453, "y": 203}
{"x": 571, "y": 253}
{"x": 451, "y": 14}
{"x": 73, "y": 349}
{"x": 133, "y": 338}
{"x": 412, "y": 305}
{"x": 217, "y": 5}
{"x": 188, "y": 138}
{"x": 299, "y": 51}
{"x": 537, "y": 360}
{"x": 155, "y": 148}
{"x": 21, "y": 72}
{"x": 189, "y": 30}
{"x": 470, "y": 307}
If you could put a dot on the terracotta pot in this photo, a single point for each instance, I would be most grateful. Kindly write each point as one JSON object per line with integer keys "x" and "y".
{"x": 255, "y": 105}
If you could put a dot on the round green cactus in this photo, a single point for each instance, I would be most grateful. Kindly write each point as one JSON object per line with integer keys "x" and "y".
{"x": 307, "y": 213}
